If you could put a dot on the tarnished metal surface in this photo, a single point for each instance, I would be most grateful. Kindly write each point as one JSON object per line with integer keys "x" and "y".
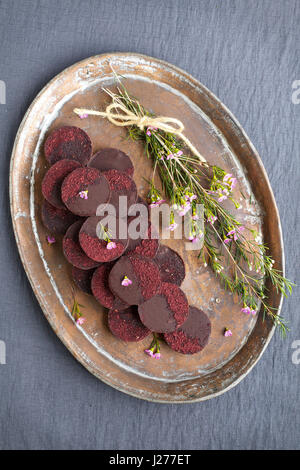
{"x": 169, "y": 91}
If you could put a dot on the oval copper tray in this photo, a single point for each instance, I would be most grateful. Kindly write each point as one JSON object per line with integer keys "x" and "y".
{"x": 166, "y": 90}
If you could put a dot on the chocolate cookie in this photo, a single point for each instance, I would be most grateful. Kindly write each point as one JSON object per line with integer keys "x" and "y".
{"x": 171, "y": 265}
{"x": 193, "y": 335}
{"x": 101, "y": 290}
{"x": 73, "y": 251}
{"x": 112, "y": 159}
{"x": 121, "y": 184}
{"x": 83, "y": 278}
{"x": 126, "y": 325}
{"x": 166, "y": 311}
{"x": 84, "y": 190}
{"x": 53, "y": 179}
{"x": 134, "y": 279}
{"x": 95, "y": 246}
{"x": 146, "y": 245}
{"x": 56, "y": 220}
{"x": 68, "y": 142}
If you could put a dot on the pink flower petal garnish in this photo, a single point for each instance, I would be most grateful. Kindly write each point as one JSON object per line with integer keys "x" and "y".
{"x": 227, "y": 332}
{"x": 110, "y": 245}
{"x": 246, "y": 310}
{"x": 148, "y": 352}
{"x": 126, "y": 281}
{"x": 173, "y": 227}
{"x": 51, "y": 240}
{"x": 80, "y": 321}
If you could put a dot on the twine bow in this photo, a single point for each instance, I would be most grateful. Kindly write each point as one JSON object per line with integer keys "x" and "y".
{"x": 128, "y": 118}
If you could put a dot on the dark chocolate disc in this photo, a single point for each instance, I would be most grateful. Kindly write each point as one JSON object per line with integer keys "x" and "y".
{"x": 166, "y": 311}
{"x": 56, "y": 220}
{"x": 171, "y": 265}
{"x": 95, "y": 246}
{"x": 134, "y": 279}
{"x": 73, "y": 251}
{"x": 84, "y": 190}
{"x": 126, "y": 324}
{"x": 68, "y": 142}
{"x": 121, "y": 185}
{"x": 101, "y": 290}
{"x": 193, "y": 335}
{"x": 53, "y": 179}
{"x": 111, "y": 159}
{"x": 83, "y": 278}
{"x": 147, "y": 244}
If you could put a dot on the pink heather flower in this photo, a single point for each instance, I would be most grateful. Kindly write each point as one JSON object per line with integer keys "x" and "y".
{"x": 110, "y": 245}
{"x": 233, "y": 182}
{"x": 241, "y": 228}
{"x": 190, "y": 198}
{"x": 126, "y": 281}
{"x": 246, "y": 310}
{"x": 83, "y": 194}
{"x": 149, "y": 129}
{"x": 227, "y": 240}
{"x": 179, "y": 153}
{"x": 157, "y": 355}
{"x": 157, "y": 203}
{"x": 173, "y": 227}
{"x": 149, "y": 352}
{"x": 83, "y": 116}
{"x": 230, "y": 233}
{"x": 50, "y": 239}
{"x": 253, "y": 312}
{"x": 184, "y": 209}
{"x": 227, "y": 332}
{"x": 80, "y": 321}
{"x": 222, "y": 197}
{"x": 212, "y": 218}
{"x": 171, "y": 156}
{"x": 227, "y": 176}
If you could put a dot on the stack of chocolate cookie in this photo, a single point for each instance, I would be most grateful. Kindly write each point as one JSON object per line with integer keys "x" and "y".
{"x": 137, "y": 279}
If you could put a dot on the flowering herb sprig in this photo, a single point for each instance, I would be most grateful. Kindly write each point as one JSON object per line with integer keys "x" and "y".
{"x": 76, "y": 313}
{"x": 154, "y": 348}
{"x": 187, "y": 180}
{"x": 104, "y": 234}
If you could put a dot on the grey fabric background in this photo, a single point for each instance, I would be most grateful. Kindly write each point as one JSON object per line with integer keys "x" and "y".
{"x": 247, "y": 53}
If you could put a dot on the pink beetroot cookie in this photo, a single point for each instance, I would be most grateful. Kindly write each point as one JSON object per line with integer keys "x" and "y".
{"x": 111, "y": 159}
{"x": 193, "y": 335}
{"x": 68, "y": 142}
{"x": 101, "y": 290}
{"x": 134, "y": 279}
{"x": 84, "y": 190}
{"x": 121, "y": 186}
{"x": 56, "y": 220}
{"x": 126, "y": 325}
{"x": 82, "y": 278}
{"x": 73, "y": 251}
{"x": 166, "y": 311}
{"x": 171, "y": 265}
{"x": 53, "y": 179}
{"x": 99, "y": 244}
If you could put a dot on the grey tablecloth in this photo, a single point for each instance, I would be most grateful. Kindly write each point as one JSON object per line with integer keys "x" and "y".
{"x": 247, "y": 53}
